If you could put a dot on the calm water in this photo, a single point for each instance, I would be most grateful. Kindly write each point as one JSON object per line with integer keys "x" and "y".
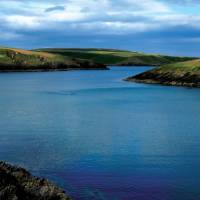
{"x": 101, "y": 138}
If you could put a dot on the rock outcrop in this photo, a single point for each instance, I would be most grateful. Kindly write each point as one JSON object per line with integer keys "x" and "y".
{"x": 18, "y": 184}
{"x": 185, "y": 79}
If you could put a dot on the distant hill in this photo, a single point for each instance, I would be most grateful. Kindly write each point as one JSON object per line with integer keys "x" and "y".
{"x": 12, "y": 59}
{"x": 115, "y": 57}
{"x": 179, "y": 74}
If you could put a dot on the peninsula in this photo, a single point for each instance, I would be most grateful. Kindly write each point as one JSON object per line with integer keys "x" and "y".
{"x": 178, "y": 74}
{"x": 12, "y": 59}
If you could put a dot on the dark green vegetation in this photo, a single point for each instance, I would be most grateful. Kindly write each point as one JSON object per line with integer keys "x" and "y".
{"x": 22, "y": 60}
{"x": 18, "y": 184}
{"x": 180, "y": 74}
{"x": 116, "y": 57}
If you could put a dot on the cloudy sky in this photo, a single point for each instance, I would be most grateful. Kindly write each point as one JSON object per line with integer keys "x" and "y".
{"x": 157, "y": 26}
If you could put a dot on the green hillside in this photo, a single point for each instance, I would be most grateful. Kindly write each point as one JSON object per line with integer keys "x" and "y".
{"x": 116, "y": 57}
{"x": 12, "y": 59}
{"x": 180, "y": 74}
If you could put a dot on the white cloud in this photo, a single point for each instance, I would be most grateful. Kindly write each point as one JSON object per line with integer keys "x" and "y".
{"x": 20, "y": 21}
{"x": 102, "y": 16}
{"x": 114, "y": 28}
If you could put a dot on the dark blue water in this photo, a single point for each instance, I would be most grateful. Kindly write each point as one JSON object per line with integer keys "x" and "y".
{"x": 101, "y": 138}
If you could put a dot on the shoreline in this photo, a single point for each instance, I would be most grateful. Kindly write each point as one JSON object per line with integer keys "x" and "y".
{"x": 164, "y": 83}
{"x": 18, "y": 183}
{"x": 71, "y": 69}
{"x": 185, "y": 74}
{"x": 52, "y": 70}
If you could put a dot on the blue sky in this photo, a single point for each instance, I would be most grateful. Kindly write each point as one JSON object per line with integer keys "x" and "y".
{"x": 156, "y": 26}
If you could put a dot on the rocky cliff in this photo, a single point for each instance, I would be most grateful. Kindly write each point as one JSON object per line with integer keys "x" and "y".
{"x": 18, "y": 184}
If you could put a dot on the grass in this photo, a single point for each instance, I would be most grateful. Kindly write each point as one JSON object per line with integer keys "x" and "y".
{"x": 180, "y": 73}
{"x": 116, "y": 57}
{"x": 104, "y": 57}
{"x": 19, "y": 59}
{"x": 11, "y": 56}
{"x": 182, "y": 67}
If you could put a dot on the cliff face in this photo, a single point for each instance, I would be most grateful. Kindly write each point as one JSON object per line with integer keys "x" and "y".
{"x": 18, "y": 184}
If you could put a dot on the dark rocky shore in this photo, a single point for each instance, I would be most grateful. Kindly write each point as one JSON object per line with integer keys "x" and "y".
{"x": 18, "y": 184}
{"x": 168, "y": 78}
{"x": 86, "y": 65}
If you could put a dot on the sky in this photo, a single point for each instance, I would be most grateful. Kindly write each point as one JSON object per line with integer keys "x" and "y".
{"x": 154, "y": 26}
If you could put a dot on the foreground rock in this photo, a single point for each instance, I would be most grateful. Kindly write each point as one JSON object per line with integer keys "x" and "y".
{"x": 18, "y": 184}
{"x": 177, "y": 74}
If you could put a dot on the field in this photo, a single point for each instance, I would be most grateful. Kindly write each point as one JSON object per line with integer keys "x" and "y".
{"x": 12, "y": 59}
{"x": 116, "y": 57}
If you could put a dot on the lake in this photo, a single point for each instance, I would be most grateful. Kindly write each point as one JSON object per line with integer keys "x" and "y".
{"x": 101, "y": 138}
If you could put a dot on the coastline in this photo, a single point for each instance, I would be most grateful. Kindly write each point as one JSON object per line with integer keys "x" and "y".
{"x": 148, "y": 78}
{"x": 52, "y": 70}
{"x": 186, "y": 74}
{"x": 18, "y": 183}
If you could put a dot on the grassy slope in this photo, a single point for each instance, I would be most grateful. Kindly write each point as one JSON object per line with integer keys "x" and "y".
{"x": 116, "y": 57}
{"x": 181, "y": 74}
{"x": 18, "y": 59}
